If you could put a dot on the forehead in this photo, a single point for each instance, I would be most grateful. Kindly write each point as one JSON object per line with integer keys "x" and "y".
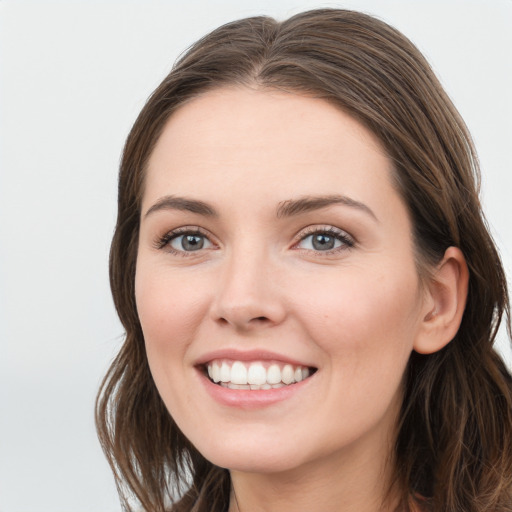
{"x": 278, "y": 144}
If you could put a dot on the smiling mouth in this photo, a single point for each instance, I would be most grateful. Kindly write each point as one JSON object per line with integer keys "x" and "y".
{"x": 255, "y": 375}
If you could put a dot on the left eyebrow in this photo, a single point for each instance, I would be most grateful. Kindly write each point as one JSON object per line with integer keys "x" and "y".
{"x": 310, "y": 203}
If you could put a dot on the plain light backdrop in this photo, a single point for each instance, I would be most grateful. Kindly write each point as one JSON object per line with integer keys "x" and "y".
{"x": 73, "y": 76}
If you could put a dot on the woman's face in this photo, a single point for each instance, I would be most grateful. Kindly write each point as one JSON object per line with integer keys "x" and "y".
{"x": 274, "y": 246}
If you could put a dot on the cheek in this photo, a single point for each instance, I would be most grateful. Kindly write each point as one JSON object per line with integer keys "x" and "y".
{"x": 364, "y": 320}
{"x": 170, "y": 308}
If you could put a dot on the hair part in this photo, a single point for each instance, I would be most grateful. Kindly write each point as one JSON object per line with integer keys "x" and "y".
{"x": 454, "y": 441}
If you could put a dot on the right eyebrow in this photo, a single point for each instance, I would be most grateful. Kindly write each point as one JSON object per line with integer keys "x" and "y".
{"x": 183, "y": 204}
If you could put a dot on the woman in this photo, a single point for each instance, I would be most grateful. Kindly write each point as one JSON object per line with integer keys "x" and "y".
{"x": 309, "y": 290}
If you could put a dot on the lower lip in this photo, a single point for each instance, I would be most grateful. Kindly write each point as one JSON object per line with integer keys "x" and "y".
{"x": 251, "y": 399}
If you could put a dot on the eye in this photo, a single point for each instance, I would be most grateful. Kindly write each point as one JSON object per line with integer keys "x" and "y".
{"x": 190, "y": 242}
{"x": 320, "y": 242}
{"x": 184, "y": 241}
{"x": 325, "y": 240}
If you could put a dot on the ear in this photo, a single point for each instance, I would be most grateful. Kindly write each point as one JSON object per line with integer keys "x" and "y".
{"x": 446, "y": 293}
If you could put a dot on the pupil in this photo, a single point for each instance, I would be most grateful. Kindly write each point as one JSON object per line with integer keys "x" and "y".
{"x": 192, "y": 242}
{"x": 323, "y": 242}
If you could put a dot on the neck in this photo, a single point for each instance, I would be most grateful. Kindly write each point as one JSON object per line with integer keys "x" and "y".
{"x": 330, "y": 487}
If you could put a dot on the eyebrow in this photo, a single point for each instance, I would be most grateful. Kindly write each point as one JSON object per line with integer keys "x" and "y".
{"x": 183, "y": 204}
{"x": 287, "y": 208}
{"x": 310, "y": 203}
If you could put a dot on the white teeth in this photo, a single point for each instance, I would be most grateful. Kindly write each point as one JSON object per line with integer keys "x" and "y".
{"x": 273, "y": 374}
{"x": 253, "y": 375}
{"x": 257, "y": 374}
{"x": 287, "y": 374}
{"x": 215, "y": 372}
{"x": 238, "y": 373}
{"x": 225, "y": 372}
{"x": 239, "y": 386}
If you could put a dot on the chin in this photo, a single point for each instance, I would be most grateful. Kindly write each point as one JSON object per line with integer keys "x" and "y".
{"x": 257, "y": 457}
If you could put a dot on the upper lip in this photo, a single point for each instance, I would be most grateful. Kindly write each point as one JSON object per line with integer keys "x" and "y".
{"x": 249, "y": 355}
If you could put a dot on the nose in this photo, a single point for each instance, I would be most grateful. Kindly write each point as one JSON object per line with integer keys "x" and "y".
{"x": 249, "y": 295}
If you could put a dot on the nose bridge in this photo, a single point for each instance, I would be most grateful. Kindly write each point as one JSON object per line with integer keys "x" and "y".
{"x": 246, "y": 294}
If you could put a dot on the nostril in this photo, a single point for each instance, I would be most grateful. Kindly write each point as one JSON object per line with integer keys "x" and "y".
{"x": 244, "y": 323}
{"x": 257, "y": 320}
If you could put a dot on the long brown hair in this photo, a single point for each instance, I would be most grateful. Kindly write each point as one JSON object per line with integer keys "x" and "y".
{"x": 454, "y": 444}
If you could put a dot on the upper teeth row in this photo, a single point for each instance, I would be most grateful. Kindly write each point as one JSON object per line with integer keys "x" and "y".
{"x": 255, "y": 373}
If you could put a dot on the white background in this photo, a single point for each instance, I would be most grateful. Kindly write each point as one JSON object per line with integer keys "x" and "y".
{"x": 73, "y": 76}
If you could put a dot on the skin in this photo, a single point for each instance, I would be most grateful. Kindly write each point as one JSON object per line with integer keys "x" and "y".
{"x": 354, "y": 313}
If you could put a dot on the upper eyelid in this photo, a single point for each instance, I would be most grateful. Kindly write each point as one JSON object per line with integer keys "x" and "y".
{"x": 322, "y": 228}
{"x": 348, "y": 241}
{"x": 299, "y": 236}
{"x": 163, "y": 240}
{"x": 183, "y": 230}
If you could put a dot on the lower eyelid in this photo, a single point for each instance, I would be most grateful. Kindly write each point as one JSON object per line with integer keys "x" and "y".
{"x": 342, "y": 245}
{"x": 164, "y": 242}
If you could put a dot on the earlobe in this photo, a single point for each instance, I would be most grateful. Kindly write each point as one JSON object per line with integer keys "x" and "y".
{"x": 446, "y": 300}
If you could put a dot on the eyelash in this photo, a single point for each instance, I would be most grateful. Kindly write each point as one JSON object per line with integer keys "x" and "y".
{"x": 164, "y": 242}
{"x": 347, "y": 242}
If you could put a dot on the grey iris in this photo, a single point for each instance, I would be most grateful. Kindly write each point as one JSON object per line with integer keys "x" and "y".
{"x": 322, "y": 242}
{"x": 192, "y": 242}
